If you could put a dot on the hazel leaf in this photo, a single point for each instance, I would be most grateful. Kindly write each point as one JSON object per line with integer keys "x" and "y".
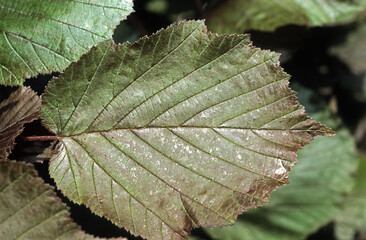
{"x": 179, "y": 130}
{"x": 43, "y": 36}
{"x": 23, "y": 106}
{"x": 30, "y": 209}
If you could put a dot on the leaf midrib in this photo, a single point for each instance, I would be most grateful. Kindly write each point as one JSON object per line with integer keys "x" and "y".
{"x": 6, "y": 8}
{"x": 95, "y": 5}
{"x": 192, "y": 127}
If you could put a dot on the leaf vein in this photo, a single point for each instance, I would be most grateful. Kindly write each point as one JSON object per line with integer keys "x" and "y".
{"x": 260, "y": 107}
{"x": 95, "y": 187}
{"x": 40, "y": 223}
{"x": 282, "y": 115}
{"x": 51, "y": 19}
{"x": 224, "y": 160}
{"x": 14, "y": 181}
{"x": 142, "y": 74}
{"x": 180, "y": 164}
{"x": 86, "y": 89}
{"x": 38, "y": 45}
{"x": 177, "y": 81}
{"x": 131, "y": 195}
{"x": 15, "y": 51}
{"x": 155, "y": 175}
{"x": 202, "y": 110}
{"x": 24, "y": 206}
{"x": 114, "y": 202}
{"x": 71, "y": 168}
{"x": 268, "y": 140}
{"x": 249, "y": 149}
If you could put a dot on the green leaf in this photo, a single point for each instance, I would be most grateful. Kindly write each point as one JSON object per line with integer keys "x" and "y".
{"x": 267, "y": 15}
{"x": 23, "y": 106}
{"x": 318, "y": 185}
{"x": 179, "y": 130}
{"x": 352, "y": 218}
{"x": 157, "y": 6}
{"x": 42, "y": 36}
{"x": 30, "y": 209}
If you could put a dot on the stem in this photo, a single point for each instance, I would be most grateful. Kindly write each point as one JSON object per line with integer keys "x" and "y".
{"x": 38, "y": 138}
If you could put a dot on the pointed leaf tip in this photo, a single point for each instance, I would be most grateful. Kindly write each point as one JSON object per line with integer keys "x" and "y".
{"x": 178, "y": 130}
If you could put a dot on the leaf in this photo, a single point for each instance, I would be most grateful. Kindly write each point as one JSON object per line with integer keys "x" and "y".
{"x": 157, "y": 6}
{"x": 30, "y": 209}
{"x": 352, "y": 218}
{"x": 179, "y": 130}
{"x": 318, "y": 185}
{"x": 267, "y": 15}
{"x": 42, "y": 36}
{"x": 23, "y": 106}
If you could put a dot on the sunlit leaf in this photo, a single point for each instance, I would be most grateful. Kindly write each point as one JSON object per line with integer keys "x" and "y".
{"x": 42, "y": 36}
{"x": 267, "y": 15}
{"x": 178, "y": 130}
{"x": 23, "y": 106}
{"x": 318, "y": 185}
{"x": 30, "y": 209}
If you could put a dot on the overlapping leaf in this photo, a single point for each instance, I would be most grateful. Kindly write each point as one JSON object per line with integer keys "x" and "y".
{"x": 318, "y": 185}
{"x": 178, "y": 130}
{"x": 23, "y": 106}
{"x": 30, "y": 209}
{"x": 41, "y": 36}
{"x": 267, "y": 15}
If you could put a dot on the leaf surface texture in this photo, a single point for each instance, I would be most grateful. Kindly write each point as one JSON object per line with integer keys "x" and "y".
{"x": 30, "y": 209}
{"x": 318, "y": 185}
{"x": 179, "y": 130}
{"x": 42, "y": 36}
{"x": 23, "y": 106}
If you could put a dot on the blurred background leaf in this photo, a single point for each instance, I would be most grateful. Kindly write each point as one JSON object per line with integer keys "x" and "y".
{"x": 267, "y": 15}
